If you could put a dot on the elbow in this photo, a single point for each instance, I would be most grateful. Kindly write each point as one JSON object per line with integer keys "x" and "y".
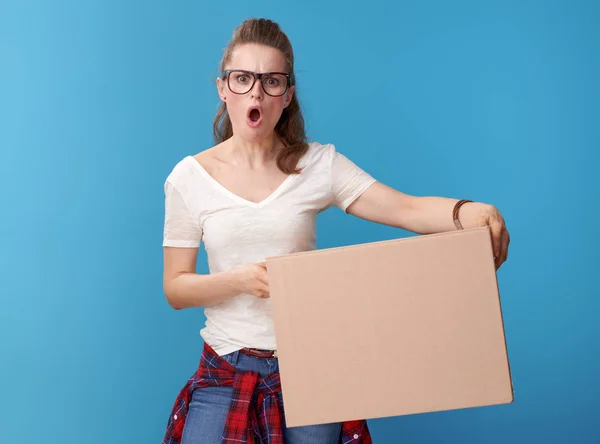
{"x": 171, "y": 297}
{"x": 174, "y": 305}
{"x": 172, "y": 301}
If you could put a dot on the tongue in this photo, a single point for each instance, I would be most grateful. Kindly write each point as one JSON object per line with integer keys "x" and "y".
{"x": 254, "y": 115}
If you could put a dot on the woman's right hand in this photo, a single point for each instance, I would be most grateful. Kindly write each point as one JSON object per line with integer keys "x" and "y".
{"x": 253, "y": 279}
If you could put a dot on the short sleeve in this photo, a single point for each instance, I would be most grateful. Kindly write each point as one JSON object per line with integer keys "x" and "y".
{"x": 348, "y": 180}
{"x": 180, "y": 227}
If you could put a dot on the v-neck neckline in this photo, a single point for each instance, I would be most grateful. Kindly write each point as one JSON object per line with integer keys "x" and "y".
{"x": 237, "y": 197}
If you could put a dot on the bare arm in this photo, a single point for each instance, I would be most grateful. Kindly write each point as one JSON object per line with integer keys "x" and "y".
{"x": 184, "y": 288}
{"x": 429, "y": 214}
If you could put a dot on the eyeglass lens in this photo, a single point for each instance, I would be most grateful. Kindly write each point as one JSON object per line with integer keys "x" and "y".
{"x": 241, "y": 82}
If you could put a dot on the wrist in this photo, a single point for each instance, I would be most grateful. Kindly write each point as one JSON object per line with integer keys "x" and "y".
{"x": 473, "y": 214}
{"x": 234, "y": 279}
{"x": 456, "y": 213}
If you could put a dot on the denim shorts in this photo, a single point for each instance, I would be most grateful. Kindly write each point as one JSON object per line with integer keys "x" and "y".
{"x": 209, "y": 406}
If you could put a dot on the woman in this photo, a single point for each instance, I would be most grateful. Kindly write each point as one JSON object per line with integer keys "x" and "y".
{"x": 255, "y": 194}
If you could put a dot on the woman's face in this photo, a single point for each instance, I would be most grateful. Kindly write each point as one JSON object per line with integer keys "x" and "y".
{"x": 254, "y": 126}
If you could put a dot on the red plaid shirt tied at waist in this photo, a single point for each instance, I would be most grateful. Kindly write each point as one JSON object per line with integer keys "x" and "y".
{"x": 249, "y": 416}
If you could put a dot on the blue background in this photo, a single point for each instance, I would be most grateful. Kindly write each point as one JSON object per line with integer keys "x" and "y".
{"x": 492, "y": 101}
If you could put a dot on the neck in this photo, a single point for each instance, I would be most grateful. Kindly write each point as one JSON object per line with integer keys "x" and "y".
{"x": 253, "y": 153}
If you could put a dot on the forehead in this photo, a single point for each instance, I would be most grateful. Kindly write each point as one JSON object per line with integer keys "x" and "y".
{"x": 258, "y": 58}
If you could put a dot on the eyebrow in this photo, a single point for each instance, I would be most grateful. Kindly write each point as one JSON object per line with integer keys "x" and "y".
{"x": 256, "y": 72}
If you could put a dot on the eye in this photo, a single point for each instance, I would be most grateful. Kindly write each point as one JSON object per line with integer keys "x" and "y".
{"x": 242, "y": 78}
{"x": 272, "y": 81}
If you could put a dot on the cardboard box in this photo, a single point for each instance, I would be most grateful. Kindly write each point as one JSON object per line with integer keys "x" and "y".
{"x": 390, "y": 328}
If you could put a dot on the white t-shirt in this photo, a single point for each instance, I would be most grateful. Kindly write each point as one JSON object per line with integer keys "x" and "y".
{"x": 235, "y": 231}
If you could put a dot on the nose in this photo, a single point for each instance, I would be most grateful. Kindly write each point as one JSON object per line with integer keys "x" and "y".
{"x": 257, "y": 90}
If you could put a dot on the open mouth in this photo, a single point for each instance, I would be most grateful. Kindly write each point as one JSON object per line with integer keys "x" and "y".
{"x": 254, "y": 114}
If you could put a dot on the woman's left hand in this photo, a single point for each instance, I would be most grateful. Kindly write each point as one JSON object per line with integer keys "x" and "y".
{"x": 477, "y": 214}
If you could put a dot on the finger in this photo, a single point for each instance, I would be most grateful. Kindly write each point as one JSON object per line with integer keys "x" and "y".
{"x": 505, "y": 242}
{"x": 263, "y": 277}
{"x": 496, "y": 229}
{"x": 266, "y": 293}
{"x": 503, "y": 254}
{"x": 260, "y": 291}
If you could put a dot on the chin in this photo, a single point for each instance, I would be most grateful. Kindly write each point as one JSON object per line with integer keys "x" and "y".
{"x": 254, "y": 134}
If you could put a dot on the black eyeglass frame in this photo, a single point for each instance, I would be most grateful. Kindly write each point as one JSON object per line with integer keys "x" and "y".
{"x": 258, "y": 76}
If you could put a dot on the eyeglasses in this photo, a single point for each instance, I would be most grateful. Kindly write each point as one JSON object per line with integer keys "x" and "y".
{"x": 274, "y": 84}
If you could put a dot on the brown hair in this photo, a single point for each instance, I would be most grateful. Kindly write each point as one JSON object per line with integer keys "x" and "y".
{"x": 290, "y": 127}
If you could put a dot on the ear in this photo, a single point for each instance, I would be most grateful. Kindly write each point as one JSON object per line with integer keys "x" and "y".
{"x": 289, "y": 95}
{"x": 221, "y": 88}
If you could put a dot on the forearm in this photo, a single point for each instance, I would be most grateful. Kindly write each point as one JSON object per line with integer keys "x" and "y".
{"x": 429, "y": 214}
{"x": 189, "y": 290}
{"x": 432, "y": 214}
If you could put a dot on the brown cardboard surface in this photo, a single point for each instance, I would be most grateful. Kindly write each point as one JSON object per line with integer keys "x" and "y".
{"x": 389, "y": 328}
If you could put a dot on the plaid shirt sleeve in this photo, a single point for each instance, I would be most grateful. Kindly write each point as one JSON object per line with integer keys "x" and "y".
{"x": 247, "y": 421}
{"x": 356, "y": 432}
{"x": 178, "y": 414}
